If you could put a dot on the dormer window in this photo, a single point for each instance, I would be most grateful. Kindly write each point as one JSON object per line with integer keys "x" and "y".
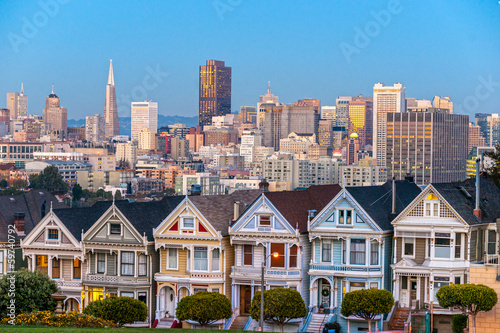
{"x": 53, "y": 234}
{"x": 188, "y": 223}
{"x": 265, "y": 220}
{"x": 431, "y": 206}
{"x": 115, "y": 229}
{"x": 345, "y": 216}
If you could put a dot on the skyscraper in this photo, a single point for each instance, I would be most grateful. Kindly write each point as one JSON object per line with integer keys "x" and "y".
{"x": 144, "y": 115}
{"x": 95, "y": 128}
{"x": 342, "y": 110}
{"x": 17, "y": 103}
{"x": 490, "y": 127}
{"x": 386, "y": 99}
{"x": 443, "y": 103}
{"x": 110, "y": 108}
{"x": 55, "y": 117}
{"x": 361, "y": 120}
{"x": 215, "y": 91}
{"x": 432, "y": 146}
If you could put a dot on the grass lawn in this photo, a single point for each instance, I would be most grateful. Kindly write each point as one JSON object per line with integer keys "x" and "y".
{"x": 43, "y": 329}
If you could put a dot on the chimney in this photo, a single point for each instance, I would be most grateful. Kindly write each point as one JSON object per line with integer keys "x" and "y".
{"x": 393, "y": 195}
{"x": 477, "y": 210}
{"x": 236, "y": 210}
{"x": 19, "y": 223}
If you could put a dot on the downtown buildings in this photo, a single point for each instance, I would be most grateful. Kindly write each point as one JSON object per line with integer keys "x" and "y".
{"x": 110, "y": 108}
{"x": 215, "y": 91}
{"x": 55, "y": 117}
{"x": 144, "y": 116}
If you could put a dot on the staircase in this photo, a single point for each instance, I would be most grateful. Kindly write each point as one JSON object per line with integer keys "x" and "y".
{"x": 399, "y": 319}
{"x": 239, "y": 322}
{"x": 165, "y": 323}
{"x": 317, "y": 323}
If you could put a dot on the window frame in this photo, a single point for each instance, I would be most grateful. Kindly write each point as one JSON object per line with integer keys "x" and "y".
{"x": 490, "y": 243}
{"x": 127, "y": 264}
{"x": 143, "y": 265}
{"x": 200, "y": 249}
{"x": 281, "y": 256}
{"x": 374, "y": 250}
{"x": 449, "y": 246}
{"x": 403, "y": 247}
{"x": 49, "y": 231}
{"x": 77, "y": 269}
{"x": 324, "y": 251}
{"x": 103, "y": 262}
{"x": 352, "y": 252}
{"x": 183, "y": 224}
{"x": 293, "y": 256}
{"x": 216, "y": 260}
{"x": 111, "y": 233}
{"x": 266, "y": 216}
{"x": 58, "y": 267}
{"x": 169, "y": 256}
{"x": 250, "y": 254}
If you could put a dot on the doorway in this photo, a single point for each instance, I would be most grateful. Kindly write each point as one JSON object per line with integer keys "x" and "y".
{"x": 245, "y": 299}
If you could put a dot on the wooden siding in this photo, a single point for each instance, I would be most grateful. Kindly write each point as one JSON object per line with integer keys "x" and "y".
{"x": 399, "y": 249}
{"x": 419, "y": 250}
{"x": 305, "y": 259}
{"x": 66, "y": 268}
{"x": 227, "y": 262}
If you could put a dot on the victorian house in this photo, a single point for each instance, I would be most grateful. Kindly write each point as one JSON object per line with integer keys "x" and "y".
{"x": 194, "y": 249}
{"x": 275, "y": 223}
{"x": 351, "y": 247}
{"x": 437, "y": 238}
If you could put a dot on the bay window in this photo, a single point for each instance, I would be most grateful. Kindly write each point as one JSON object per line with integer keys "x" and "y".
{"x": 200, "y": 259}
{"x": 172, "y": 259}
{"x": 215, "y": 260}
{"x": 374, "y": 253}
{"x": 293, "y": 256}
{"x": 128, "y": 263}
{"x": 280, "y": 260}
{"x": 442, "y": 245}
{"x": 326, "y": 251}
{"x": 358, "y": 251}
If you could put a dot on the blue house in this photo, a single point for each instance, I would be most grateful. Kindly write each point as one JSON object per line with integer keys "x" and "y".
{"x": 351, "y": 247}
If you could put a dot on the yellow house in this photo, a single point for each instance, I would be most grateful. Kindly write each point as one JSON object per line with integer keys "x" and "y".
{"x": 194, "y": 248}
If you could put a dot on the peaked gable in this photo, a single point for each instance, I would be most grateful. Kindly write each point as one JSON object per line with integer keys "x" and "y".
{"x": 49, "y": 232}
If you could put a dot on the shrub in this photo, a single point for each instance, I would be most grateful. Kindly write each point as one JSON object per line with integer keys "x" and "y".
{"x": 120, "y": 310}
{"x": 47, "y": 318}
{"x": 204, "y": 307}
{"x": 334, "y": 326}
{"x": 459, "y": 322}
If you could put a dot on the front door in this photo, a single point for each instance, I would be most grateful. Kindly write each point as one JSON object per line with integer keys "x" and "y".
{"x": 245, "y": 299}
{"x": 413, "y": 289}
{"x": 404, "y": 297}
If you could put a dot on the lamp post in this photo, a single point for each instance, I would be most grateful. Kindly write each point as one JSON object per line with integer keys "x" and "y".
{"x": 275, "y": 255}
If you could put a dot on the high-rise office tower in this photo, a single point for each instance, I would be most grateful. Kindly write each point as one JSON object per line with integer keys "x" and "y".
{"x": 248, "y": 114}
{"x": 325, "y": 133}
{"x": 12, "y": 98}
{"x": 144, "y": 115}
{"x": 490, "y": 127}
{"x": 309, "y": 102}
{"x": 110, "y": 108}
{"x": 443, "y": 102}
{"x": 215, "y": 91}
{"x": 353, "y": 146}
{"x": 342, "y": 110}
{"x": 432, "y": 146}
{"x": 386, "y": 99}
{"x": 361, "y": 120}
{"x": 476, "y": 138}
{"x": 95, "y": 128}
{"x": 17, "y": 103}
{"x": 268, "y": 99}
{"x": 329, "y": 113}
{"x": 55, "y": 117}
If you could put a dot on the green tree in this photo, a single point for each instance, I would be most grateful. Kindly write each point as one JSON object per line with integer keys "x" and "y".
{"x": 118, "y": 195}
{"x": 120, "y": 310}
{"x": 33, "y": 292}
{"x": 3, "y": 183}
{"x": 494, "y": 169}
{"x": 459, "y": 322}
{"x": 19, "y": 183}
{"x": 49, "y": 179}
{"x": 77, "y": 192}
{"x": 204, "y": 307}
{"x": 367, "y": 304}
{"x": 470, "y": 299}
{"x": 280, "y": 305}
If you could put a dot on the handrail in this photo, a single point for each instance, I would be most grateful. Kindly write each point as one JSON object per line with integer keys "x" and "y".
{"x": 227, "y": 325}
{"x": 247, "y": 325}
{"x": 408, "y": 323}
{"x": 391, "y": 314}
{"x": 307, "y": 321}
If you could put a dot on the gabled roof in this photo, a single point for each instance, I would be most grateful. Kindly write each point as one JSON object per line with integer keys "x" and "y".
{"x": 219, "y": 209}
{"x": 377, "y": 200}
{"x": 30, "y": 204}
{"x": 462, "y": 197}
{"x": 294, "y": 205}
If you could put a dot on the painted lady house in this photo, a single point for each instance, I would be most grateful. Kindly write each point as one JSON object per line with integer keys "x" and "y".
{"x": 194, "y": 248}
{"x": 275, "y": 222}
{"x": 351, "y": 240}
{"x": 120, "y": 256}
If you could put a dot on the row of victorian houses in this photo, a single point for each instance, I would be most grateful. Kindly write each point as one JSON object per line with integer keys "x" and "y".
{"x": 331, "y": 240}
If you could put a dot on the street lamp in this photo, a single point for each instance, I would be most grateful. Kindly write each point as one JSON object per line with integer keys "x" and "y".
{"x": 275, "y": 255}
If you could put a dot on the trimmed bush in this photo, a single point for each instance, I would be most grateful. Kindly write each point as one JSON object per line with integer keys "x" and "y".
{"x": 204, "y": 307}
{"x": 120, "y": 310}
{"x": 48, "y": 318}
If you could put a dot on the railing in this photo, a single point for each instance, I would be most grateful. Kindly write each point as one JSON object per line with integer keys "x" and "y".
{"x": 491, "y": 259}
{"x": 390, "y": 316}
{"x": 114, "y": 279}
{"x": 307, "y": 321}
{"x": 343, "y": 268}
{"x": 247, "y": 325}
{"x": 407, "y": 326}
{"x": 229, "y": 322}
{"x": 73, "y": 284}
{"x": 269, "y": 272}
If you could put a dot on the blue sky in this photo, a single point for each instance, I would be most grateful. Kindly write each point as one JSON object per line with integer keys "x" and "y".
{"x": 434, "y": 47}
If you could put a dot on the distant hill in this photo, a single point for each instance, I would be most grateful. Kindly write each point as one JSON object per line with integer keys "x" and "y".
{"x": 125, "y": 122}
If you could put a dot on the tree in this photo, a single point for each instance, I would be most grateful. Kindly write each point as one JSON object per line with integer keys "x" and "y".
{"x": 33, "y": 292}
{"x": 120, "y": 310}
{"x": 280, "y": 305}
{"x": 459, "y": 322}
{"x": 77, "y": 192}
{"x": 49, "y": 179}
{"x": 204, "y": 307}
{"x": 118, "y": 195}
{"x": 367, "y": 304}
{"x": 470, "y": 299}
{"x": 494, "y": 169}
{"x": 19, "y": 183}
{"x": 3, "y": 183}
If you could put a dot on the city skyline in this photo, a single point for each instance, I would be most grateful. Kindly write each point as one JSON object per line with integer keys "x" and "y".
{"x": 239, "y": 33}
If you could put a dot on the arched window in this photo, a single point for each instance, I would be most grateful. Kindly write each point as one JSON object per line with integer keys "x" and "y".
{"x": 431, "y": 206}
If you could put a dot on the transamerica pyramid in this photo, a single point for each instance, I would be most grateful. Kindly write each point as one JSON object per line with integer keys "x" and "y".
{"x": 110, "y": 109}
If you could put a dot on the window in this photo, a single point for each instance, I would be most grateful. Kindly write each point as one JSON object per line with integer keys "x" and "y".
{"x": 432, "y": 206}
{"x": 374, "y": 253}
{"x": 492, "y": 241}
{"x": 200, "y": 259}
{"x": 127, "y": 294}
{"x": 373, "y": 285}
{"x": 142, "y": 297}
{"x": 115, "y": 229}
{"x": 293, "y": 256}
{"x": 247, "y": 255}
{"x": 216, "y": 290}
{"x": 172, "y": 259}
{"x": 458, "y": 245}
{"x": 128, "y": 263}
{"x": 409, "y": 246}
{"x": 101, "y": 263}
{"x": 265, "y": 220}
{"x": 442, "y": 245}
{"x": 326, "y": 251}
{"x": 56, "y": 265}
{"x": 357, "y": 286}
{"x": 458, "y": 280}
{"x": 53, "y": 234}
{"x": 188, "y": 223}
{"x": 143, "y": 264}
{"x": 77, "y": 269}
{"x": 348, "y": 216}
{"x": 215, "y": 260}
{"x": 341, "y": 216}
{"x": 344, "y": 246}
{"x": 42, "y": 264}
{"x": 195, "y": 290}
{"x": 280, "y": 261}
{"x": 358, "y": 251}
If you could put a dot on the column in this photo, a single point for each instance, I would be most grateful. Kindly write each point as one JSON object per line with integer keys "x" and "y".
{"x": 49, "y": 266}
{"x": 367, "y": 251}
{"x": 136, "y": 263}
{"x": 119, "y": 263}
{"x": 348, "y": 250}
{"x": 157, "y": 312}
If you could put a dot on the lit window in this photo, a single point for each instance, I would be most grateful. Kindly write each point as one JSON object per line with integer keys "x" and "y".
{"x": 77, "y": 269}
{"x": 280, "y": 260}
{"x": 53, "y": 234}
{"x": 56, "y": 265}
